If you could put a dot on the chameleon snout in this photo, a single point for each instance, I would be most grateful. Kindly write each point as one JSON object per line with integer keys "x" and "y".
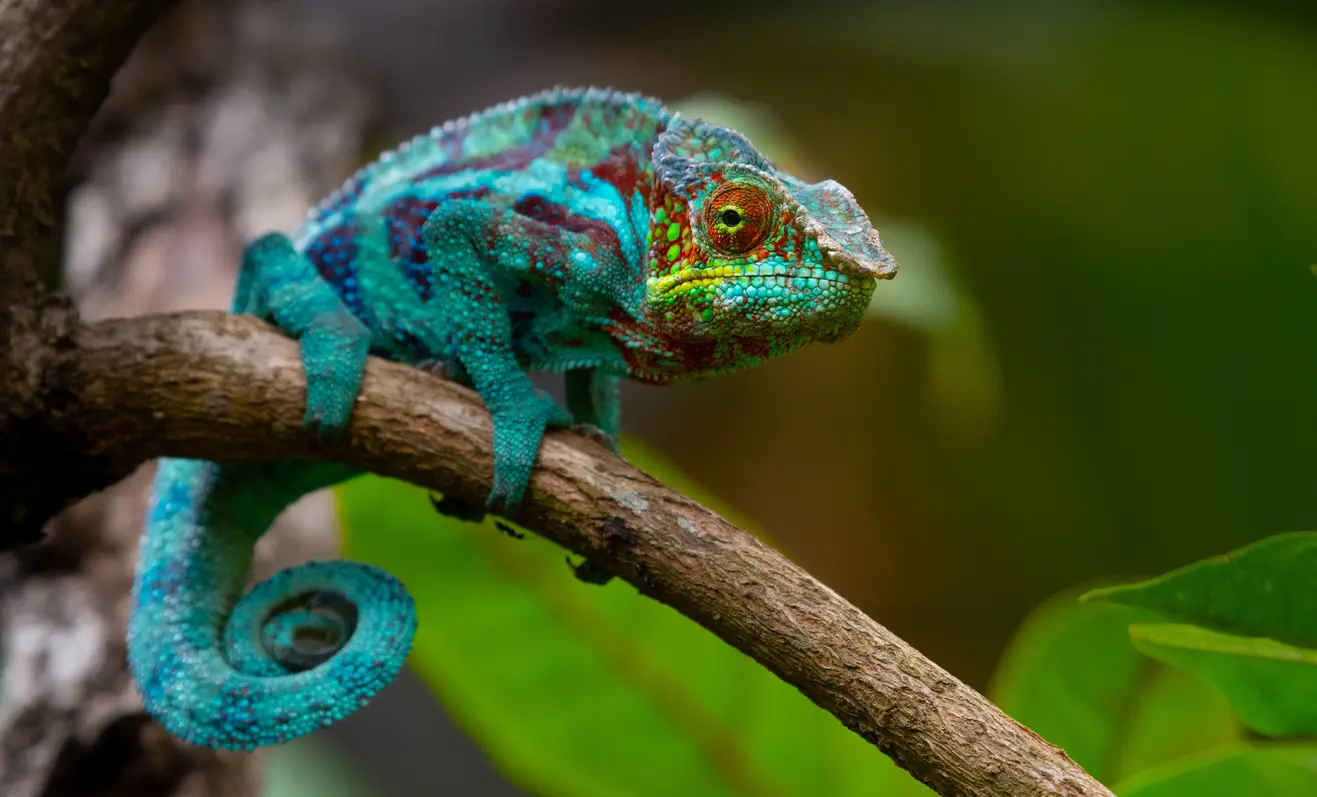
{"x": 869, "y": 259}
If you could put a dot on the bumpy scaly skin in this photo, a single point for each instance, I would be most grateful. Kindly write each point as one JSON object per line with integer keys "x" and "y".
{"x": 582, "y": 231}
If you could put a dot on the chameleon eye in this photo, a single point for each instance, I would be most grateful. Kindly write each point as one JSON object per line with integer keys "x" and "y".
{"x": 737, "y": 218}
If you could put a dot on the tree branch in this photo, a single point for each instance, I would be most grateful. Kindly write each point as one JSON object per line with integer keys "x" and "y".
{"x": 56, "y": 61}
{"x": 55, "y": 69}
{"x": 211, "y": 385}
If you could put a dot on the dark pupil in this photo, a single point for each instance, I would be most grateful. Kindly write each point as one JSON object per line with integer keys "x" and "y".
{"x": 731, "y": 218}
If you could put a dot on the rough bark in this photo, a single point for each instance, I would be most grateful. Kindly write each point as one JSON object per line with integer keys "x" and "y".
{"x": 226, "y": 121}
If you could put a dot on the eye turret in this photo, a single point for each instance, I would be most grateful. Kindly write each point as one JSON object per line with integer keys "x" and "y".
{"x": 738, "y": 217}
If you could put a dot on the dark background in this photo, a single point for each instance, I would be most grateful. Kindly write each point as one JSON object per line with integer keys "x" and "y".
{"x": 1122, "y": 199}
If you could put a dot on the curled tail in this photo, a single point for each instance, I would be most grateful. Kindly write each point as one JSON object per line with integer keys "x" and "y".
{"x": 301, "y": 650}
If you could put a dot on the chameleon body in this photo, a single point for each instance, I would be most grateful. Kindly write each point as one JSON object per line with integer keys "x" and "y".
{"x": 581, "y": 231}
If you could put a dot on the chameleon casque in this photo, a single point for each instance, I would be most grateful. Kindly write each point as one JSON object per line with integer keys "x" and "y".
{"x": 581, "y": 231}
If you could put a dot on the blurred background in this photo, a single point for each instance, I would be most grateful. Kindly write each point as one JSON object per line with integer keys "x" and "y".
{"x": 1095, "y": 363}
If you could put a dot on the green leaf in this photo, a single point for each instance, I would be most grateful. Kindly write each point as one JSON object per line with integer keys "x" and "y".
{"x": 573, "y": 689}
{"x": 1072, "y": 675}
{"x": 1246, "y": 771}
{"x": 1175, "y": 714}
{"x": 1271, "y": 686}
{"x": 1267, "y": 589}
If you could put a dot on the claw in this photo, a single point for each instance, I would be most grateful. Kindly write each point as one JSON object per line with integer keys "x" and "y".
{"x": 591, "y": 432}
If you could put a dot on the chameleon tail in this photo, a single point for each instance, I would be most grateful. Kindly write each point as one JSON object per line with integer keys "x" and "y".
{"x": 301, "y": 650}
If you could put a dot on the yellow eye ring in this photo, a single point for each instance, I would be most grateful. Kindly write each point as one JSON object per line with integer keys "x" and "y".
{"x": 731, "y": 217}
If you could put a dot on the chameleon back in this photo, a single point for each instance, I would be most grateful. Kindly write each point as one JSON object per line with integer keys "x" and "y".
{"x": 574, "y": 158}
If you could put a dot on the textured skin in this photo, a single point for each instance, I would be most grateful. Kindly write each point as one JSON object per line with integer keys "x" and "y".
{"x": 582, "y": 231}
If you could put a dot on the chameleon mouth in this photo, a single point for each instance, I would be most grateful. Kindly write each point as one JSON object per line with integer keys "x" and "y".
{"x": 770, "y": 280}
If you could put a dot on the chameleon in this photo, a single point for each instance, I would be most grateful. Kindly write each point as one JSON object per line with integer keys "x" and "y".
{"x": 582, "y": 231}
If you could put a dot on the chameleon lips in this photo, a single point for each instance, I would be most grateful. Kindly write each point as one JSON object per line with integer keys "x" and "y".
{"x": 773, "y": 282}
{"x": 687, "y": 278}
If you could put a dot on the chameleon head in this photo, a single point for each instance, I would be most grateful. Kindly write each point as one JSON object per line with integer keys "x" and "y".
{"x": 740, "y": 250}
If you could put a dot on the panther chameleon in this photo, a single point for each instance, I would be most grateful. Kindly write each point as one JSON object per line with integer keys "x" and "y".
{"x": 583, "y": 231}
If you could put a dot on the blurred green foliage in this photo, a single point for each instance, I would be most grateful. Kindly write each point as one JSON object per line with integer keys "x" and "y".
{"x": 573, "y": 689}
{"x": 1279, "y": 771}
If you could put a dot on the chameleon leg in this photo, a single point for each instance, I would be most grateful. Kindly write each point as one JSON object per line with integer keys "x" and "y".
{"x": 465, "y": 248}
{"x": 594, "y": 399}
{"x": 282, "y": 286}
{"x": 302, "y": 649}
